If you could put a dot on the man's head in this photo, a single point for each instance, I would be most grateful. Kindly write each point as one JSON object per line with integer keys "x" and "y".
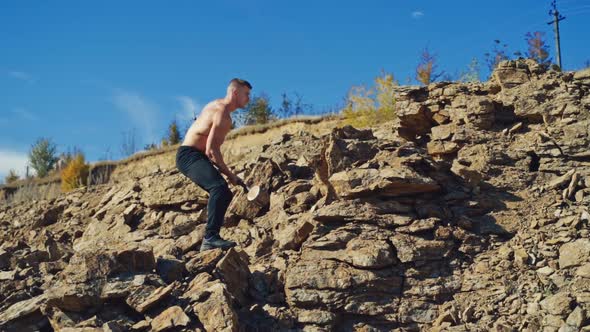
{"x": 238, "y": 91}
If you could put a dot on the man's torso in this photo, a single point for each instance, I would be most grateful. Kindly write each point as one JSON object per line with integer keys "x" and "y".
{"x": 198, "y": 133}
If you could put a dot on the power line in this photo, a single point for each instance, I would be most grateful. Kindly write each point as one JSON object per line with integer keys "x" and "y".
{"x": 556, "y": 18}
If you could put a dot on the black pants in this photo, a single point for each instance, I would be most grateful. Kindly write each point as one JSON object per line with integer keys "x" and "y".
{"x": 197, "y": 167}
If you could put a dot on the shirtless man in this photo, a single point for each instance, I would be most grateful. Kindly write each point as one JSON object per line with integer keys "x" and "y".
{"x": 199, "y": 158}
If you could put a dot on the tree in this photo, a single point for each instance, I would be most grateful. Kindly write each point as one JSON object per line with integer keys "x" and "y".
{"x": 173, "y": 134}
{"x": 538, "y": 50}
{"x": 426, "y": 70}
{"x": 11, "y": 177}
{"x": 286, "y": 109}
{"x": 472, "y": 73}
{"x": 497, "y": 54}
{"x": 42, "y": 156}
{"x": 259, "y": 111}
{"x": 128, "y": 146}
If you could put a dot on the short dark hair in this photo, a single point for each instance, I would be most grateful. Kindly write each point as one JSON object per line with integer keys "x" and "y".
{"x": 241, "y": 83}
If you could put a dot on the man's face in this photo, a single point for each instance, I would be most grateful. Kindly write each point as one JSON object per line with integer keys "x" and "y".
{"x": 243, "y": 96}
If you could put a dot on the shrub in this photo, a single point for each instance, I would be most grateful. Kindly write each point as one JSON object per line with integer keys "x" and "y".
{"x": 75, "y": 174}
{"x": 367, "y": 107}
{"x": 472, "y": 73}
{"x": 11, "y": 177}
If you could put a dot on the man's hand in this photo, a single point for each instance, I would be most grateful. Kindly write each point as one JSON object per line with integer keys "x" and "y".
{"x": 236, "y": 181}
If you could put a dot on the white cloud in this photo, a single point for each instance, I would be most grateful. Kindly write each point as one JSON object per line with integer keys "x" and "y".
{"x": 20, "y": 75}
{"x": 189, "y": 110}
{"x": 417, "y": 14}
{"x": 12, "y": 160}
{"x": 142, "y": 112}
{"x": 24, "y": 114}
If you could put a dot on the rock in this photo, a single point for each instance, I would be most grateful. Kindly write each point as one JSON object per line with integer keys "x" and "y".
{"x": 233, "y": 270}
{"x": 574, "y": 253}
{"x": 558, "y": 304}
{"x": 385, "y": 181}
{"x": 471, "y": 176}
{"x": 369, "y": 253}
{"x": 510, "y": 74}
{"x": 113, "y": 326}
{"x": 413, "y": 248}
{"x": 292, "y": 237}
{"x": 146, "y": 297}
{"x": 7, "y": 275}
{"x": 4, "y": 259}
{"x": 583, "y": 271}
{"x": 58, "y": 320}
{"x": 561, "y": 180}
{"x": 215, "y": 311}
{"x": 317, "y": 317}
{"x": 76, "y": 297}
{"x": 204, "y": 261}
{"x": 415, "y": 120}
{"x": 545, "y": 271}
{"x": 521, "y": 257}
{"x": 576, "y": 318}
{"x": 418, "y": 311}
{"x": 443, "y": 132}
{"x": 163, "y": 190}
{"x": 105, "y": 262}
{"x": 191, "y": 240}
{"x": 170, "y": 269}
{"x": 140, "y": 326}
{"x": 438, "y": 148}
{"x": 118, "y": 288}
{"x": 170, "y": 318}
{"x": 22, "y": 309}
{"x": 328, "y": 283}
{"x": 49, "y": 216}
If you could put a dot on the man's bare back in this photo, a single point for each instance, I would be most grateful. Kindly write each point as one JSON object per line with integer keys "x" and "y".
{"x": 198, "y": 133}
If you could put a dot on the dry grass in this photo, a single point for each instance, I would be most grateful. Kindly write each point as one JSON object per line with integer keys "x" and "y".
{"x": 257, "y": 129}
{"x": 32, "y": 191}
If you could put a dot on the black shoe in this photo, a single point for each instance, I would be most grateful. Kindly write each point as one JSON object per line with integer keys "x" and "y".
{"x": 216, "y": 242}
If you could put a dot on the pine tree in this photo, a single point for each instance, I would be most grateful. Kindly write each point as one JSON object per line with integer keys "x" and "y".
{"x": 42, "y": 156}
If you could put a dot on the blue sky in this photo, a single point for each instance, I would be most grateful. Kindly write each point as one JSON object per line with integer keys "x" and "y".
{"x": 83, "y": 73}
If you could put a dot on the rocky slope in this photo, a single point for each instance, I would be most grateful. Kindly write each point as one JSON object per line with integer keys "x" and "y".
{"x": 469, "y": 213}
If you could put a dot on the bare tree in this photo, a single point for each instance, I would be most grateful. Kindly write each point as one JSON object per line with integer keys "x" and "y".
{"x": 128, "y": 146}
{"x": 426, "y": 71}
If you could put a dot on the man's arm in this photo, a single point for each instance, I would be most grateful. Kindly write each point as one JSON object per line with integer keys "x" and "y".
{"x": 212, "y": 148}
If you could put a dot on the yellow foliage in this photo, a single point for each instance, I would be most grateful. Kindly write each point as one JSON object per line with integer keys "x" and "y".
{"x": 424, "y": 72}
{"x": 74, "y": 174}
{"x": 369, "y": 107}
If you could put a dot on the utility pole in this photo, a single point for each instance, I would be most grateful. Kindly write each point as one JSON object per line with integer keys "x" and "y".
{"x": 556, "y": 18}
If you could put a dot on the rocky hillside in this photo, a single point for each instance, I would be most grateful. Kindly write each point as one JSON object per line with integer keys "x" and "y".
{"x": 469, "y": 213}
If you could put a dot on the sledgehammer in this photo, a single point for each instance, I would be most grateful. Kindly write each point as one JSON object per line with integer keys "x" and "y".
{"x": 255, "y": 194}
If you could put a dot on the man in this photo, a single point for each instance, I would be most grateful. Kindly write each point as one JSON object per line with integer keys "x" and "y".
{"x": 200, "y": 154}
